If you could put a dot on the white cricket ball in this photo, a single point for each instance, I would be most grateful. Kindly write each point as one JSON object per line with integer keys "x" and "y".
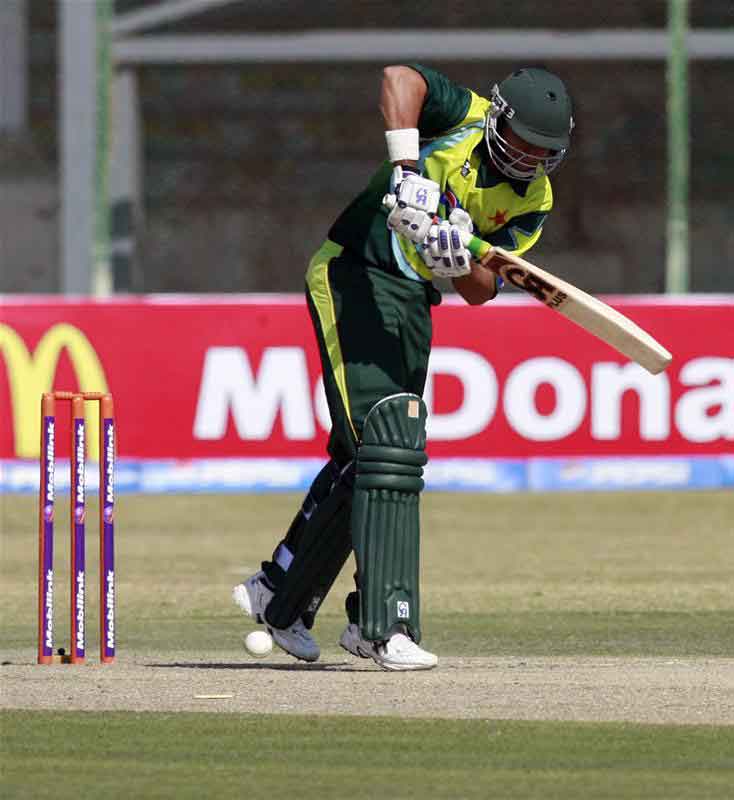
{"x": 258, "y": 643}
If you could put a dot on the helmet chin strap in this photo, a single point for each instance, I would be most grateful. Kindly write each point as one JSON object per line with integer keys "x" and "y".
{"x": 510, "y": 160}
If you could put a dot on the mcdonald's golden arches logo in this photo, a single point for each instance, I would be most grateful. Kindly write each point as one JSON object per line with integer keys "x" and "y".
{"x": 32, "y": 374}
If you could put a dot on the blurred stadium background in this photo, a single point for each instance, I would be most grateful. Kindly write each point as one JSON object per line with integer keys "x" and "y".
{"x": 221, "y": 144}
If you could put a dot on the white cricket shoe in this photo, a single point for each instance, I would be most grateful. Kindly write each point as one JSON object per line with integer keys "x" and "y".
{"x": 399, "y": 652}
{"x": 253, "y": 597}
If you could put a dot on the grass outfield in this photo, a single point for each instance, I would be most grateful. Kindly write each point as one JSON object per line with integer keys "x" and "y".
{"x": 124, "y": 755}
{"x": 572, "y": 574}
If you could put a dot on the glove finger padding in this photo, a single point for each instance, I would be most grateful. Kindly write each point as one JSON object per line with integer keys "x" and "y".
{"x": 412, "y": 223}
{"x": 461, "y": 218}
{"x": 445, "y": 254}
{"x": 459, "y": 255}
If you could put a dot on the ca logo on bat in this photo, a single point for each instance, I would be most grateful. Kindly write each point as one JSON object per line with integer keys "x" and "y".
{"x": 539, "y": 288}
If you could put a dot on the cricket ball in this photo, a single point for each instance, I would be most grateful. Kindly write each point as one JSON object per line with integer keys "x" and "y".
{"x": 258, "y": 643}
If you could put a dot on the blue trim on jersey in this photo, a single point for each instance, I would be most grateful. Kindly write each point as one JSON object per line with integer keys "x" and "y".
{"x": 405, "y": 266}
{"x": 441, "y": 143}
{"x": 444, "y": 142}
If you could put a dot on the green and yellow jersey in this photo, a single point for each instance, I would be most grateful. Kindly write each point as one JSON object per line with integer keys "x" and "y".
{"x": 453, "y": 152}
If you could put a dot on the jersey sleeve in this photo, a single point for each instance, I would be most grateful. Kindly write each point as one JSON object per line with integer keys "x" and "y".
{"x": 446, "y": 103}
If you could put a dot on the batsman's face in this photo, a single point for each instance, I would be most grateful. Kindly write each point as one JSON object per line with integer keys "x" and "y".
{"x": 532, "y": 155}
{"x": 514, "y": 156}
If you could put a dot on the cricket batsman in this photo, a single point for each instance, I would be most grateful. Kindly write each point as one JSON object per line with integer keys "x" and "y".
{"x": 456, "y": 162}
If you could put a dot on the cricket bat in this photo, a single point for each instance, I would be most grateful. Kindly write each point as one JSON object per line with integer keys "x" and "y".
{"x": 599, "y": 319}
{"x": 591, "y": 314}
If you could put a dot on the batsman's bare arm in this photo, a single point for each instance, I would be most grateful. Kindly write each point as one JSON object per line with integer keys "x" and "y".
{"x": 480, "y": 285}
{"x": 402, "y": 95}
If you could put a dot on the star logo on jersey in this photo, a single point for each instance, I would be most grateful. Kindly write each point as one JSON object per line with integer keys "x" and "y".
{"x": 499, "y": 218}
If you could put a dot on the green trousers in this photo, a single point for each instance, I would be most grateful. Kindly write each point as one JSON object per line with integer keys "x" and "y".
{"x": 374, "y": 335}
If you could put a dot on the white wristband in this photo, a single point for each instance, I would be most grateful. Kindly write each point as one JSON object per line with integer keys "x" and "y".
{"x": 403, "y": 145}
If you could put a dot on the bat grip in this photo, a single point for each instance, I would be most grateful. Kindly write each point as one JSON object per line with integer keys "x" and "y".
{"x": 476, "y": 246}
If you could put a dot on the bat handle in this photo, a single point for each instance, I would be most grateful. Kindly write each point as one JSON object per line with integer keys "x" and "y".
{"x": 476, "y": 246}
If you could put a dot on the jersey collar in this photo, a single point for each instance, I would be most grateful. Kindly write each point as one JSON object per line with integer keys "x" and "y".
{"x": 488, "y": 175}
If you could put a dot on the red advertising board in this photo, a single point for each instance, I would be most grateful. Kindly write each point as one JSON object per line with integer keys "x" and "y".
{"x": 240, "y": 376}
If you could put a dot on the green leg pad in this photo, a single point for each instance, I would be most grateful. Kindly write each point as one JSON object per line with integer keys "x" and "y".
{"x": 385, "y": 517}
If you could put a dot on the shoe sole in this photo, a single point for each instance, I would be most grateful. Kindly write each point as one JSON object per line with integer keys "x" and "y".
{"x": 243, "y": 601}
{"x": 404, "y": 667}
{"x": 241, "y": 598}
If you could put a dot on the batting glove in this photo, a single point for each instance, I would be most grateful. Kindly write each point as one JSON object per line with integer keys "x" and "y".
{"x": 413, "y": 205}
{"x": 443, "y": 251}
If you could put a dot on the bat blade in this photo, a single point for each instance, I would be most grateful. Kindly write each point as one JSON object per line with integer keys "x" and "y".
{"x": 599, "y": 319}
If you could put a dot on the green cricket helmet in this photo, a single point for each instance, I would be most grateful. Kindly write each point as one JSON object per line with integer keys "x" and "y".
{"x": 535, "y": 105}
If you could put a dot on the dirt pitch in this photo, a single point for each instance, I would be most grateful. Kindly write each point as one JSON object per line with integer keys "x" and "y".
{"x": 642, "y": 582}
{"x": 645, "y": 690}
